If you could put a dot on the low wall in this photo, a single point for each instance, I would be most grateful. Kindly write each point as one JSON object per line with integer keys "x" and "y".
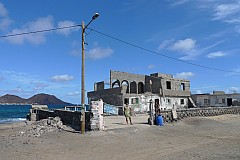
{"x": 193, "y": 112}
{"x": 44, "y": 114}
{"x": 70, "y": 118}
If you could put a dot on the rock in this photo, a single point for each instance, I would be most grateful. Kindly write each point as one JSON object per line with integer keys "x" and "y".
{"x": 43, "y": 126}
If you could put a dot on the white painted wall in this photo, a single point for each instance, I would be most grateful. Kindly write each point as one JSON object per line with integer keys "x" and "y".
{"x": 165, "y": 103}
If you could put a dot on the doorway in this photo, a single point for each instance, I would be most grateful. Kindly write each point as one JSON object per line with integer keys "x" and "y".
{"x": 229, "y": 102}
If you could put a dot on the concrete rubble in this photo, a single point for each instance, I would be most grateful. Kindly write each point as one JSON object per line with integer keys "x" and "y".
{"x": 43, "y": 126}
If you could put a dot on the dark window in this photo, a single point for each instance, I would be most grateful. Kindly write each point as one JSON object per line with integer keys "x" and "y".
{"x": 168, "y": 101}
{"x": 133, "y": 87}
{"x": 181, "y": 101}
{"x": 223, "y": 101}
{"x": 206, "y": 101}
{"x": 134, "y": 100}
{"x": 126, "y": 101}
{"x": 140, "y": 87}
{"x": 182, "y": 86}
{"x": 168, "y": 84}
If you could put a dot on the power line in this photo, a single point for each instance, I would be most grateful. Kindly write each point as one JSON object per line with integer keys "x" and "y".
{"x": 157, "y": 53}
{"x": 122, "y": 41}
{"x": 39, "y": 31}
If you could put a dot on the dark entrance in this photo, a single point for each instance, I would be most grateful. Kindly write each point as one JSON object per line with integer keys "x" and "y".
{"x": 156, "y": 106}
{"x": 229, "y": 102}
{"x": 126, "y": 101}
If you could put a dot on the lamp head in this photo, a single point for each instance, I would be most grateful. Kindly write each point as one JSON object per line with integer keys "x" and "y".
{"x": 95, "y": 16}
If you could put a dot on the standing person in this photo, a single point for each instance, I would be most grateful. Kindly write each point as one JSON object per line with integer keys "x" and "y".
{"x": 127, "y": 113}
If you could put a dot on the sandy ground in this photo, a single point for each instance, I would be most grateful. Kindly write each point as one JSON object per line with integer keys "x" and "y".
{"x": 215, "y": 138}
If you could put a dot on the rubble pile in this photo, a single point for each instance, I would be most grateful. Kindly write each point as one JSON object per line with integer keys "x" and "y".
{"x": 43, "y": 126}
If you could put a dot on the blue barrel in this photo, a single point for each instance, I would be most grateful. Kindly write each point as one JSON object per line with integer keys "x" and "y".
{"x": 159, "y": 120}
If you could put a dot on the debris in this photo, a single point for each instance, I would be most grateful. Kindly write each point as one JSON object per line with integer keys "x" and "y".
{"x": 43, "y": 126}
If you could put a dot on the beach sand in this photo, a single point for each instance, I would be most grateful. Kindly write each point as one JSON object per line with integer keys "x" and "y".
{"x": 189, "y": 139}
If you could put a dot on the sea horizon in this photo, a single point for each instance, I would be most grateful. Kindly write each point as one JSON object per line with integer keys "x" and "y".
{"x": 12, "y": 113}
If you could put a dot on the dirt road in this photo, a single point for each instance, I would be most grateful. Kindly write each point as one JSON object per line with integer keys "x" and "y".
{"x": 192, "y": 138}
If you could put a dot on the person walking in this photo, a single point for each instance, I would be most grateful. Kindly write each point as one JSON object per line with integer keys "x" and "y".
{"x": 127, "y": 113}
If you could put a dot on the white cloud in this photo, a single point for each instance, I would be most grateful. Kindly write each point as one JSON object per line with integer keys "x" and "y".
{"x": 189, "y": 56}
{"x": 216, "y": 54}
{"x": 73, "y": 94}
{"x": 99, "y": 53}
{"x": 75, "y": 52}
{"x": 37, "y": 38}
{"x": 235, "y": 72}
{"x": 17, "y": 77}
{"x": 184, "y": 45}
{"x": 5, "y": 21}
{"x": 3, "y": 11}
{"x": 151, "y": 66}
{"x": 166, "y": 44}
{"x": 228, "y": 13}
{"x": 17, "y": 90}
{"x": 66, "y": 31}
{"x": 223, "y": 11}
{"x": 184, "y": 75}
{"x": 205, "y": 87}
{"x": 62, "y": 78}
{"x": 40, "y": 86}
{"x": 198, "y": 92}
{"x": 233, "y": 90}
{"x": 179, "y": 2}
{"x": 76, "y": 48}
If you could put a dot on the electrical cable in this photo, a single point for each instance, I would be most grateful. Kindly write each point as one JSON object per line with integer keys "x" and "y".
{"x": 157, "y": 53}
{"x": 122, "y": 41}
{"x": 39, "y": 31}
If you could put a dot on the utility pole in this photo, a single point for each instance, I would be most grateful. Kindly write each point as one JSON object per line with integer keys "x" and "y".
{"x": 83, "y": 74}
{"x": 83, "y": 82}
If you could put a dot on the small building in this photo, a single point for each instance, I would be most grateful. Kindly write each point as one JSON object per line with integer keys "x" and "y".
{"x": 137, "y": 90}
{"x": 33, "y": 111}
{"x": 216, "y": 99}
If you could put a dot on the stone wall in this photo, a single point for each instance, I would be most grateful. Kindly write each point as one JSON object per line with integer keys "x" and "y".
{"x": 99, "y": 86}
{"x": 200, "y": 112}
{"x": 70, "y": 118}
{"x": 124, "y": 76}
{"x": 44, "y": 114}
{"x": 216, "y": 100}
{"x": 110, "y": 96}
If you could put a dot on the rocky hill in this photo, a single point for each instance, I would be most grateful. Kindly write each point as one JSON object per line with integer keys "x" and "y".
{"x": 12, "y": 99}
{"x": 43, "y": 99}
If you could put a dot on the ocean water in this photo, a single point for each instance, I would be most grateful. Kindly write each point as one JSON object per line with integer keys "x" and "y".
{"x": 17, "y": 113}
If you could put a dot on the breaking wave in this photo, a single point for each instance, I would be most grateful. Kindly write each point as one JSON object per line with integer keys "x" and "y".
{"x": 11, "y": 120}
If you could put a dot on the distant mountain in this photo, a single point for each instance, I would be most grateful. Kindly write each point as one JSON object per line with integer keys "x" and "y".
{"x": 11, "y": 99}
{"x": 43, "y": 99}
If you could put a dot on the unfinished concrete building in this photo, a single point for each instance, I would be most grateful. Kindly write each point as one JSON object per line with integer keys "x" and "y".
{"x": 217, "y": 99}
{"x": 137, "y": 90}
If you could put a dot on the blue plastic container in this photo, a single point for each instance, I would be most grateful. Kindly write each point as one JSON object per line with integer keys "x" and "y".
{"x": 159, "y": 120}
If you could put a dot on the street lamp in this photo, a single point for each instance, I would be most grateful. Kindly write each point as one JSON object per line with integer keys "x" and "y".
{"x": 83, "y": 72}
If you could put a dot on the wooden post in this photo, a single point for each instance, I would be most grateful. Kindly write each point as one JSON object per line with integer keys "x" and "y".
{"x": 83, "y": 83}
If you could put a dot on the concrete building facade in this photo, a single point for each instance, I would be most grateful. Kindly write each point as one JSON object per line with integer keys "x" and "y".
{"x": 137, "y": 90}
{"x": 217, "y": 99}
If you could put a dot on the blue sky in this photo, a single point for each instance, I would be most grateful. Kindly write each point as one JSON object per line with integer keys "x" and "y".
{"x": 202, "y": 32}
